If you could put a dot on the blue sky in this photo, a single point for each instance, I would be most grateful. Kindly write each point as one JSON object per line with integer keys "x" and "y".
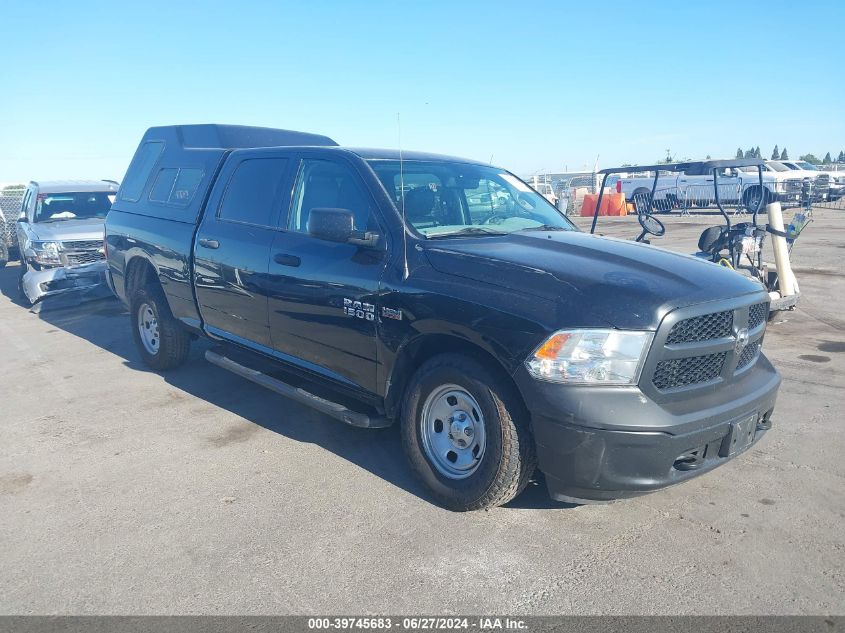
{"x": 537, "y": 86}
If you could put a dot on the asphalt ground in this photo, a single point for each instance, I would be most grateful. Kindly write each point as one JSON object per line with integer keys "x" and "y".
{"x": 123, "y": 491}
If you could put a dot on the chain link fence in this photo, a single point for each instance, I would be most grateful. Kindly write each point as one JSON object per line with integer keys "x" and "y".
{"x": 11, "y": 198}
{"x": 742, "y": 199}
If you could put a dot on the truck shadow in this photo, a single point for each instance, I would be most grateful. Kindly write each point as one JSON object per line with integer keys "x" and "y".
{"x": 105, "y": 323}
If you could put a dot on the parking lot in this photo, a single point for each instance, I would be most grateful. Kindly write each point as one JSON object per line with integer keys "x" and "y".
{"x": 123, "y": 491}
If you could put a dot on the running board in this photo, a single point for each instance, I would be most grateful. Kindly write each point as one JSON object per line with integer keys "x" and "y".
{"x": 332, "y": 409}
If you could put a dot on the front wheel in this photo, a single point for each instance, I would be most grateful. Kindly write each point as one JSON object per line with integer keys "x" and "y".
{"x": 466, "y": 434}
{"x": 160, "y": 338}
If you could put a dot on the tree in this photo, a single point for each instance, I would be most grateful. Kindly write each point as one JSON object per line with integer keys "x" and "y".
{"x": 775, "y": 153}
{"x": 784, "y": 155}
{"x": 841, "y": 158}
{"x": 757, "y": 152}
{"x": 827, "y": 160}
{"x": 749, "y": 153}
{"x": 708, "y": 157}
{"x": 739, "y": 153}
{"x": 810, "y": 159}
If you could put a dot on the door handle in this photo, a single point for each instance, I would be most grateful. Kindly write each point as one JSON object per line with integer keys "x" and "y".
{"x": 209, "y": 243}
{"x": 286, "y": 260}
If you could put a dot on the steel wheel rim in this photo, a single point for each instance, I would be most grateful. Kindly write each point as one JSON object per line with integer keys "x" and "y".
{"x": 452, "y": 431}
{"x": 148, "y": 328}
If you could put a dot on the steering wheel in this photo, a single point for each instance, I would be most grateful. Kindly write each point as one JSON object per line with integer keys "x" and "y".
{"x": 497, "y": 218}
{"x": 651, "y": 226}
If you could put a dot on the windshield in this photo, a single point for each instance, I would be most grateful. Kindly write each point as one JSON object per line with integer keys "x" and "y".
{"x": 51, "y": 207}
{"x": 808, "y": 166}
{"x": 777, "y": 167}
{"x": 443, "y": 198}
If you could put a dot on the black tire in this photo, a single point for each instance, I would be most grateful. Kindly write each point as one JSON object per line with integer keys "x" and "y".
{"x": 753, "y": 192}
{"x": 23, "y": 270}
{"x": 174, "y": 341}
{"x": 509, "y": 457}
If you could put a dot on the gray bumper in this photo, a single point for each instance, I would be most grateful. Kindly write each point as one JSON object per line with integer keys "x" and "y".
{"x": 38, "y": 284}
{"x": 598, "y": 444}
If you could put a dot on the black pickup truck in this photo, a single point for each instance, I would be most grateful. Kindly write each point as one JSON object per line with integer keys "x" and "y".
{"x": 444, "y": 294}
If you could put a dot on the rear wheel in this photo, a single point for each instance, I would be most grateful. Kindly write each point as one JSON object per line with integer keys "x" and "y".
{"x": 161, "y": 340}
{"x": 751, "y": 198}
{"x": 466, "y": 434}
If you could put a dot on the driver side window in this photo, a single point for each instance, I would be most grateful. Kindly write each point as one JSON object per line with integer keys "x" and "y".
{"x": 326, "y": 184}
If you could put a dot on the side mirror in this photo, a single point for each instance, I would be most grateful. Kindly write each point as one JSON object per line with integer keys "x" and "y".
{"x": 22, "y": 218}
{"x": 338, "y": 225}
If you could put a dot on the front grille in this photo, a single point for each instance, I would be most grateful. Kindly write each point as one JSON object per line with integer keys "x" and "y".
{"x": 82, "y": 245}
{"x": 692, "y": 350}
{"x": 680, "y": 372}
{"x": 701, "y": 328}
{"x": 748, "y": 355}
{"x": 793, "y": 184}
{"x": 757, "y": 314}
{"x": 88, "y": 257}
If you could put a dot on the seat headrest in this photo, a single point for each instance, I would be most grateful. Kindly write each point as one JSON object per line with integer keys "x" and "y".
{"x": 419, "y": 202}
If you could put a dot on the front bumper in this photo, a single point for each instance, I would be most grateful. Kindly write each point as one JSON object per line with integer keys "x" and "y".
{"x": 601, "y": 443}
{"x": 38, "y": 284}
{"x": 791, "y": 197}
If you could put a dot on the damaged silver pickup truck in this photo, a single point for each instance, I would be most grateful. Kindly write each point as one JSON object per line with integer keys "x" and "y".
{"x": 60, "y": 237}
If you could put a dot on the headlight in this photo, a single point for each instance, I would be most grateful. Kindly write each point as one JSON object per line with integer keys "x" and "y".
{"x": 590, "y": 357}
{"x": 46, "y": 252}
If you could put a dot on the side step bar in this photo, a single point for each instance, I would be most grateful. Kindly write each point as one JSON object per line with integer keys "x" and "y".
{"x": 332, "y": 409}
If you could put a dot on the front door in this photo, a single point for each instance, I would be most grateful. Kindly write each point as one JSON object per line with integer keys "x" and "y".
{"x": 323, "y": 298}
{"x": 232, "y": 248}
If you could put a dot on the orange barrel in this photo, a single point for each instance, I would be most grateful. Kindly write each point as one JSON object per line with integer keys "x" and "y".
{"x": 611, "y": 204}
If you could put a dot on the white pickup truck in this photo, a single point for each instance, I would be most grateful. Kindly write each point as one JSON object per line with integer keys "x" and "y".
{"x": 835, "y": 179}
{"x": 679, "y": 190}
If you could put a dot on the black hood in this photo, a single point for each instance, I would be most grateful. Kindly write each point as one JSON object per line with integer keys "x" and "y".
{"x": 625, "y": 284}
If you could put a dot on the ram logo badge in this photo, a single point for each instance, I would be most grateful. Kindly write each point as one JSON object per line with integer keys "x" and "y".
{"x": 391, "y": 313}
{"x": 359, "y": 310}
{"x": 741, "y": 341}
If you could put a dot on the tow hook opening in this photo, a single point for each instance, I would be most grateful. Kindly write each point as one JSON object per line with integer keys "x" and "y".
{"x": 765, "y": 421}
{"x": 690, "y": 460}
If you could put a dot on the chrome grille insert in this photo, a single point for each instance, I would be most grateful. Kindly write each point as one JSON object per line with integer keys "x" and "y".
{"x": 78, "y": 259}
{"x": 82, "y": 245}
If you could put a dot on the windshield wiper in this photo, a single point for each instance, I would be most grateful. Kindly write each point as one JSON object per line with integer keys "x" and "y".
{"x": 469, "y": 230}
{"x": 544, "y": 227}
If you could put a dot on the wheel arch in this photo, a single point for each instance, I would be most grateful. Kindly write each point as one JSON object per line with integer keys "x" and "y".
{"x": 139, "y": 272}
{"x": 424, "y": 347}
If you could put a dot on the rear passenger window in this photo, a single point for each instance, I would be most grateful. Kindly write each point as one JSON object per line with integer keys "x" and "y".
{"x": 176, "y": 187}
{"x": 140, "y": 170}
{"x": 252, "y": 193}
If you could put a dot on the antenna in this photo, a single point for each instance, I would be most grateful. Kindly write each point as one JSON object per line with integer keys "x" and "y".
{"x": 402, "y": 196}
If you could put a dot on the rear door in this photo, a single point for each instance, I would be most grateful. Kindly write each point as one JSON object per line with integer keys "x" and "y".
{"x": 232, "y": 248}
{"x": 323, "y": 298}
